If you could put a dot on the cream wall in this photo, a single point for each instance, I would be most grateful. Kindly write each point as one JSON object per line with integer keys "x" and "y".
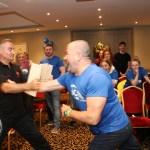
{"x": 142, "y": 45}
{"x": 35, "y": 42}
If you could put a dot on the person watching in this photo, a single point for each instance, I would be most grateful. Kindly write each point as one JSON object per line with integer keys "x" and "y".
{"x": 53, "y": 98}
{"x": 122, "y": 60}
{"x": 135, "y": 74}
{"x": 108, "y": 67}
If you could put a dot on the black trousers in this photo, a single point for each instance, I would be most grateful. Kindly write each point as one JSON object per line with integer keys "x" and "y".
{"x": 122, "y": 139}
{"x": 26, "y": 128}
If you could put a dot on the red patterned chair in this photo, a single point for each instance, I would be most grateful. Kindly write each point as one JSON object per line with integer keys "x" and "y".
{"x": 133, "y": 100}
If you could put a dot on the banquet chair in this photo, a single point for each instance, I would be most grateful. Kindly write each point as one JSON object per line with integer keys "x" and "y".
{"x": 11, "y": 131}
{"x": 143, "y": 80}
{"x": 122, "y": 78}
{"x": 146, "y": 89}
{"x": 133, "y": 100}
{"x": 120, "y": 87}
{"x": 39, "y": 104}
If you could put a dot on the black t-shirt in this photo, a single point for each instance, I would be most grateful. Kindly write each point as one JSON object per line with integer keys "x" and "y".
{"x": 121, "y": 62}
{"x": 11, "y": 105}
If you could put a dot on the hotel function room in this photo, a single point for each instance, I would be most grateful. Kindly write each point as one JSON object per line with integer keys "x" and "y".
{"x": 31, "y": 24}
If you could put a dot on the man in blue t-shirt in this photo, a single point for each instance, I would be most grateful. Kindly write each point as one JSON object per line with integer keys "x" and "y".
{"x": 53, "y": 98}
{"x": 94, "y": 93}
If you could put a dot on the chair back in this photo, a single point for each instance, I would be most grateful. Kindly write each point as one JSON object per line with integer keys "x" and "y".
{"x": 143, "y": 80}
{"x": 146, "y": 89}
{"x": 40, "y": 95}
{"x": 133, "y": 100}
{"x": 122, "y": 78}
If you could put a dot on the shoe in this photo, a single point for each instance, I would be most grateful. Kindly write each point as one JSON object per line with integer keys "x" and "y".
{"x": 72, "y": 124}
{"x": 50, "y": 123}
{"x": 55, "y": 130}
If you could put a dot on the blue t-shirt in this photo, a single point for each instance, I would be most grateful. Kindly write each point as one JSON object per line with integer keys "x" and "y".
{"x": 114, "y": 74}
{"x": 95, "y": 82}
{"x": 56, "y": 62}
{"x": 131, "y": 76}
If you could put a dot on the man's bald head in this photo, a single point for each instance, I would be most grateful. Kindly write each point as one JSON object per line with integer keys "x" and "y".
{"x": 80, "y": 46}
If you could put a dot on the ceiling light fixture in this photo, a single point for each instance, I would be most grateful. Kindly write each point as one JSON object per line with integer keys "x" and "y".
{"x": 100, "y": 17}
{"x": 57, "y": 20}
{"x": 101, "y": 24}
{"x": 99, "y": 9}
{"x": 66, "y": 26}
{"x": 136, "y": 22}
{"x": 48, "y": 14}
{"x": 11, "y": 31}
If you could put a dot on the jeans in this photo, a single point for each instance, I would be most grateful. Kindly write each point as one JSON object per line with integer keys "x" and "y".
{"x": 24, "y": 125}
{"x": 121, "y": 140}
{"x": 53, "y": 101}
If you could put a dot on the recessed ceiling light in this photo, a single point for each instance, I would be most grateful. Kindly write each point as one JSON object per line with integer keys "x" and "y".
{"x": 100, "y": 17}
{"x": 100, "y": 24}
{"x": 99, "y": 9}
{"x": 48, "y": 14}
{"x": 11, "y": 31}
{"x": 57, "y": 20}
{"x": 66, "y": 26}
{"x": 136, "y": 22}
{"x": 38, "y": 29}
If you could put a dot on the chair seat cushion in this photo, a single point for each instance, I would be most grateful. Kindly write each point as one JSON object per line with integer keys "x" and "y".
{"x": 140, "y": 121}
{"x": 37, "y": 105}
{"x": 40, "y": 95}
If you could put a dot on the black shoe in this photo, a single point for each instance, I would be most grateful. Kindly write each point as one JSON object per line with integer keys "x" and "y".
{"x": 72, "y": 124}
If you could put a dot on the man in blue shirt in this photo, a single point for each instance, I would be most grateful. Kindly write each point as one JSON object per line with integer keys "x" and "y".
{"x": 94, "y": 93}
{"x": 53, "y": 98}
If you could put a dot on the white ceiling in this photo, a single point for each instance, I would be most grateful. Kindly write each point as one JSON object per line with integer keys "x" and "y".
{"x": 28, "y": 15}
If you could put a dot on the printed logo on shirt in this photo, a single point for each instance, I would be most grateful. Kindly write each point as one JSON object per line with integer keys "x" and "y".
{"x": 76, "y": 94}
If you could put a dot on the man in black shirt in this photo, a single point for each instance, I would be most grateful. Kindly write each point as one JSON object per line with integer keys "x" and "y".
{"x": 12, "y": 111}
{"x": 122, "y": 60}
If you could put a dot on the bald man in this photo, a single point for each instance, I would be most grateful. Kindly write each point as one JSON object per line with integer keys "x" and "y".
{"x": 94, "y": 93}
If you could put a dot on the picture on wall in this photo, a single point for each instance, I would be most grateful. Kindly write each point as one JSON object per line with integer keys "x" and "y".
{"x": 20, "y": 47}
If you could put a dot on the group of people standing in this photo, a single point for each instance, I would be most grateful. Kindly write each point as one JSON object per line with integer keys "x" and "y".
{"x": 90, "y": 86}
{"x": 121, "y": 64}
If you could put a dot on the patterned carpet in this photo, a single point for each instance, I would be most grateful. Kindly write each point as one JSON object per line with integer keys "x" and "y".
{"x": 76, "y": 138}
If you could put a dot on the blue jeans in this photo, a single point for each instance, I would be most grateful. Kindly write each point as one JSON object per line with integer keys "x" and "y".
{"x": 53, "y": 102}
{"x": 121, "y": 140}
